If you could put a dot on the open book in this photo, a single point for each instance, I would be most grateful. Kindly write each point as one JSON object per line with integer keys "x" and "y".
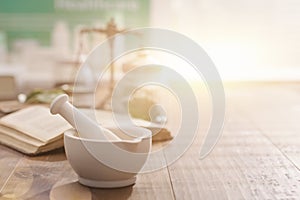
{"x": 34, "y": 129}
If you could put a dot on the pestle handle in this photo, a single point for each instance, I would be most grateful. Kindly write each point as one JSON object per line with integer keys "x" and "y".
{"x": 86, "y": 127}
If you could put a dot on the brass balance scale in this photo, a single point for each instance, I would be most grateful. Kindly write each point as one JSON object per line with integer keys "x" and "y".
{"x": 143, "y": 97}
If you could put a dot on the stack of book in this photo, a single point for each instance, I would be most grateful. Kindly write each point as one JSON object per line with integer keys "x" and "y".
{"x": 34, "y": 130}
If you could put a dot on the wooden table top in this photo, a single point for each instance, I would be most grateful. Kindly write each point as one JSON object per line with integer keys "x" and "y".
{"x": 257, "y": 157}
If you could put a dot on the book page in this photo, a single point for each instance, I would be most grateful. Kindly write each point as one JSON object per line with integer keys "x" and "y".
{"x": 18, "y": 145}
{"x": 37, "y": 122}
{"x": 17, "y": 135}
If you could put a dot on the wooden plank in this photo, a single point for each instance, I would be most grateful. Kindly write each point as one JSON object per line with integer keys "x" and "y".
{"x": 278, "y": 106}
{"x": 34, "y": 177}
{"x": 244, "y": 165}
{"x": 51, "y": 176}
{"x": 9, "y": 159}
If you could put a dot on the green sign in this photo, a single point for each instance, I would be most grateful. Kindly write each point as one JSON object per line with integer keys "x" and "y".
{"x": 35, "y": 19}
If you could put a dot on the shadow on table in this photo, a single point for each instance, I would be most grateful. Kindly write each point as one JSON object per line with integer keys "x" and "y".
{"x": 75, "y": 190}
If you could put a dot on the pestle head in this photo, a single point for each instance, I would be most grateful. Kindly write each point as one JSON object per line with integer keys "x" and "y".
{"x": 84, "y": 125}
{"x": 57, "y": 103}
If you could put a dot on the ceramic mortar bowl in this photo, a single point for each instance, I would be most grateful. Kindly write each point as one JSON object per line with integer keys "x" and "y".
{"x": 108, "y": 164}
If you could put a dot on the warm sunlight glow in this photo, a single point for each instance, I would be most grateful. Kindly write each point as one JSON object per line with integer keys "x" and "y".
{"x": 231, "y": 59}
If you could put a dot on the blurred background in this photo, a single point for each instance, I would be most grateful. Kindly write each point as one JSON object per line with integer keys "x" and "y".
{"x": 42, "y": 41}
{"x": 246, "y": 39}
